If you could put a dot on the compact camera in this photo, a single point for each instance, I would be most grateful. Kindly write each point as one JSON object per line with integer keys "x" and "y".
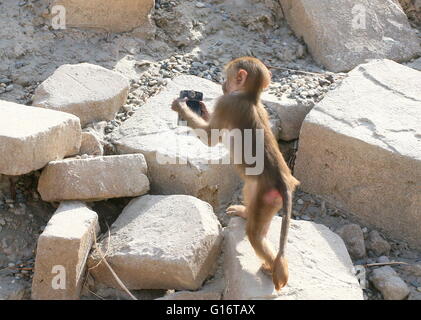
{"x": 193, "y": 101}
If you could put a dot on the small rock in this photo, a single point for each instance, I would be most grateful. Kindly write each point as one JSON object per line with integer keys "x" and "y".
{"x": 415, "y": 295}
{"x": 306, "y": 217}
{"x": 5, "y": 80}
{"x": 377, "y": 244}
{"x": 91, "y": 145}
{"x": 354, "y": 240}
{"x": 291, "y": 113}
{"x": 414, "y": 269}
{"x": 197, "y": 64}
{"x": 391, "y": 286}
{"x": 360, "y": 273}
{"x": 210, "y": 291}
{"x": 127, "y": 108}
{"x": 12, "y": 289}
{"x": 383, "y": 259}
{"x": 416, "y": 64}
{"x": 19, "y": 64}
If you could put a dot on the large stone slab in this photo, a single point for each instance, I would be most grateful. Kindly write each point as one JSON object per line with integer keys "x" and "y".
{"x": 62, "y": 250}
{"x": 111, "y": 16}
{"x": 360, "y": 148}
{"x": 179, "y": 163}
{"x": 319, "y": 265}
{"x": 161, "y": 242}
{"x": 343, "y": 36}
{"x": 95, "y": 178}
{"x": 88, "y": 91}
{"x": 31, "y": 137}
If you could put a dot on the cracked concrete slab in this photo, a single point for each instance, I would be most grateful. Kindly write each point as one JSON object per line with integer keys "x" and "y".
{"x": 353, "y": 32}
{"x": 88, "y": 91}
{"x": 31, "y": 137}
{"x": 360, "y": 147}
{"x": 319, "y": 265}
{"x": 111, "y": 16}
{"x": 160, "y": 242}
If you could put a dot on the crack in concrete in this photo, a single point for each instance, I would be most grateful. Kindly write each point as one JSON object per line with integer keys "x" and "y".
{"x": 365, "y": 122}
{"x": 80, "y": 83}
{"x": 373, "y": 128}
{"x": 333, "y": 117}
{"x": 369, "y": 77}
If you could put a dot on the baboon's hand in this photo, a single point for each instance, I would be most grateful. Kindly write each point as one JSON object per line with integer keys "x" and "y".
{"x": 178, "y": 104}
{"x": 205, "y": 112}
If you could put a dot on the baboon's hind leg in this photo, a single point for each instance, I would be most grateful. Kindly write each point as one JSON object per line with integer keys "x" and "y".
{"x": 249, "y": 190}
{"x": 259, "y": 218}
{"x": 237, "y": 210}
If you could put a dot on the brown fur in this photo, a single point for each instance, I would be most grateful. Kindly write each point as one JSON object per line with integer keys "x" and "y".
{"x": 243, "y": 110}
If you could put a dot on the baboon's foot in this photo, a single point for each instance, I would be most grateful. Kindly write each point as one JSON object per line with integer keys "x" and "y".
{"x": 237, "y": 210}
{"x": 266, "y": 269}
{"x": 280, "y": 272}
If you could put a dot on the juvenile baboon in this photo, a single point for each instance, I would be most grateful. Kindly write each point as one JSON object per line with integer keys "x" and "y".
{"x": 264, "y": 194}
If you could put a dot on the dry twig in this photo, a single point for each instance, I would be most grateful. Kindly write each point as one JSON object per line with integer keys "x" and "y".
{"x": 296, "y": 70}
{"x": 382, "y": 264}
{"x": 103, "y": 259}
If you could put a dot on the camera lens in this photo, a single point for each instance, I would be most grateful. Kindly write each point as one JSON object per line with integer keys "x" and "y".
{"x": 192, "y": 94}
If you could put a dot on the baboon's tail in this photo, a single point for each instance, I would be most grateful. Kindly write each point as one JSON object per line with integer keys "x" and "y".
{"x": 280, "y": 266}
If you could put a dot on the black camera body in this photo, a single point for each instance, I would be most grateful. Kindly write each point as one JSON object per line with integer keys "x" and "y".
{"x": 193, "y": 101}
{"x": 194, "y": 97}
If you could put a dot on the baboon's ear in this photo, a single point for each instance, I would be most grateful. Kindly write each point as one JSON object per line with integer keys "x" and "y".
{"x": 241, "y": 76}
